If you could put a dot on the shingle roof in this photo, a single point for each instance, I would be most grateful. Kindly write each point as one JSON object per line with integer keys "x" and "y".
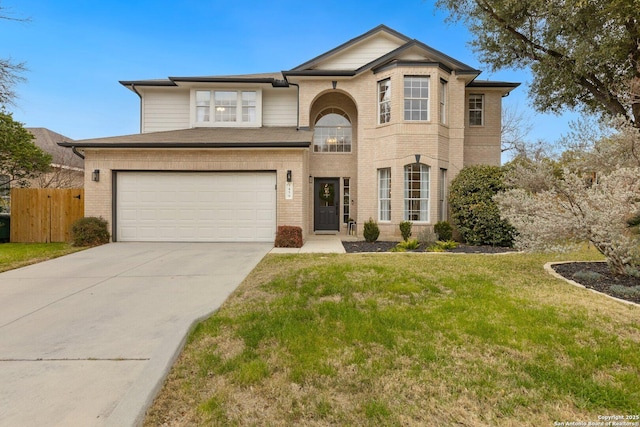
{"x": 265, "y": 137}
{"x": 48, "y": 140}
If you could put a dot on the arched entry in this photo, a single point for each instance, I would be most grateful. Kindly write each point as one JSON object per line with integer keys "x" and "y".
{"x": 332, "y": 134}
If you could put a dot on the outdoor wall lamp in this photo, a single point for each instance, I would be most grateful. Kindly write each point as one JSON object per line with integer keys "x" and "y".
{"x": 310, "y": 179}
{"x": 288, "y": 176}
{"x": 95, "y": 175}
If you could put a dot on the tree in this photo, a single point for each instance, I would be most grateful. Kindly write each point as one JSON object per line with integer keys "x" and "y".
{"x": 9, "y": 71}
{"x": 20, "y": 159}
{"x": 514, "y": 130}
{"x": 583, "y": 53}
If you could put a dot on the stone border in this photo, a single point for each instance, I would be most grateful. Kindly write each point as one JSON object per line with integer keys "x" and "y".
{"x": 548, "y": 268}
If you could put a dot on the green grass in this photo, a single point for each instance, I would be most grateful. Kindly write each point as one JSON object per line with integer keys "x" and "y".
{"x": 406, "y": 339}
{"x": 15, "y": 255}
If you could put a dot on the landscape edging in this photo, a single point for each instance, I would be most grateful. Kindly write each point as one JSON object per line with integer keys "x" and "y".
{"x": 549, "y": 269}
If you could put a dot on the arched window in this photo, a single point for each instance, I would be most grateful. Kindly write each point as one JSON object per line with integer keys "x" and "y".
{"x": 332, "y": 133}
{"x": 416, "y": 192}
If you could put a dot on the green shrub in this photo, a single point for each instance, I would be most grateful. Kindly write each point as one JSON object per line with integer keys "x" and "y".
{"x": 405, "y": 230}
{"x": 288, "y": 236}
{"x": 474, "y": 212}
{"x": 444, "y": 230}
{"x": 625, "y": 291}
{"x": 406, "y": 245}
{"x": 442, "y": 245}
{"x": 90, "y": 231}
{"x": 371, "y": 231}
{"x": 427, "y": 237}
{"x": 586, "y": 275}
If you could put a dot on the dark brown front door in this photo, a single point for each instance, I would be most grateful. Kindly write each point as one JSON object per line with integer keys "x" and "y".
{"x": 326, "y": 207}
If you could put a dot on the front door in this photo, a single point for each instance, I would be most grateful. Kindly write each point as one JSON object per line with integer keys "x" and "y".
{"x": 327, "y": 209}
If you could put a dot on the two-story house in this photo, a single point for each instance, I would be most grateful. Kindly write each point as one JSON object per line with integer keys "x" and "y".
{"x": 375, "y": 128}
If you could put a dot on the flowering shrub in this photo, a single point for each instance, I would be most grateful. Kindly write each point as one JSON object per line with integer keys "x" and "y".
{"x": 575, "y": 209}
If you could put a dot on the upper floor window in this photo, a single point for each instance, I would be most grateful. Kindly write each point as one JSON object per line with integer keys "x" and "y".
{"x": 416, "y": 98}
{"x": 230, "y": 107}
{"x": 416, "y": 192}
{"x": 332, "y": 133}
{"x": 384, "y": 101}
{"x": 476, "y": 110}
{"x": 443, "y": 102}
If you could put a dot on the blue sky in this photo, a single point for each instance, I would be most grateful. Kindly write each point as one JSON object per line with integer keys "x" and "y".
{"x": 77, "y": 51}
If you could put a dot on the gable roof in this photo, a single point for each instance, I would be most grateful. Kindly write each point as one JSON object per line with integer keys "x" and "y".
{"x": 48, "y": 140}
{"x": 396, "y": 45}
{"x": 383, "y": 47}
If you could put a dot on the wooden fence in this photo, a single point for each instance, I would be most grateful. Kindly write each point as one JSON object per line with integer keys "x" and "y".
{"x": 43, "y": 215}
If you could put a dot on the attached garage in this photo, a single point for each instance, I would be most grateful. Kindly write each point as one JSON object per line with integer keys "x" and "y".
{"x": 195, "y": 206}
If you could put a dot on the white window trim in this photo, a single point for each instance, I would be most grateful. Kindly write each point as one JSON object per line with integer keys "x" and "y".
{"x": 469, "y": 110}
{"x": 380, "y": 102}
{"x": 428, "y": 98}
{"x": 426, "y": 199}
{"x": 236, "y": 124}
{"x": 443, "y": 101}
{"x": 346, "y": 197}
{"x": 388, "y": 195}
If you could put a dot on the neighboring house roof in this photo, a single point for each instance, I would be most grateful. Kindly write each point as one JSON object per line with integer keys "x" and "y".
{"x": 265, "y": 137}
{"x": 48, "y": 140}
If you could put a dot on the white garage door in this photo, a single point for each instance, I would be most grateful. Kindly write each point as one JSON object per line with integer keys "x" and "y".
{"x": 196, "y": 207}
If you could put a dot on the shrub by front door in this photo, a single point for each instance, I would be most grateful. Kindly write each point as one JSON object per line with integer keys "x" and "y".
{"x": 326, "y": 207}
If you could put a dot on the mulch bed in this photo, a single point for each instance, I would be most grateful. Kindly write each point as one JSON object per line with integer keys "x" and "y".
{"x": 592, "y": 275}
{"x": 362, "y": 246}
{"x": 597, "y": 276}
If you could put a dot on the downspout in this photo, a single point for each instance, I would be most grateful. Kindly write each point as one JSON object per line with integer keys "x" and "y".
{"x": 76, "y": 152}
{"x": 298, "y": 107}
{"x": 133, "y": 88}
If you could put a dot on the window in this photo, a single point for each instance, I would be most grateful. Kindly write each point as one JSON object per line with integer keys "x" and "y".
{"x": 249, "y": 107}
{"x": 230, "y": 107}
{"x": 203, "y": 105}
{"x": 332, "y": 133}
{"x": 476, "y": 109}
{"x": 443, "y": 195}
{"x": 443, "y": 102}
{"x": 384, "y": 101}
{"x": 416, "y": 98}
{"x": 346, "y": 200}
{"x": 384, "y": 194}
{"x": 416, "y": 192}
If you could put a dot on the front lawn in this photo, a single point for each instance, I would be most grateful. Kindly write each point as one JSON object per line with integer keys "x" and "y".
{"x": 407, "y": 339}
{"x": 15, "y": 255}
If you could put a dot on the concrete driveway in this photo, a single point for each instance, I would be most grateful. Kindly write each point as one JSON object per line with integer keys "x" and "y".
{"x": 86, "y": 339}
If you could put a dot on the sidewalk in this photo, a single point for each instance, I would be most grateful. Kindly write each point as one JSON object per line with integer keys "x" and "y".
{"x": 316, "y": 243}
